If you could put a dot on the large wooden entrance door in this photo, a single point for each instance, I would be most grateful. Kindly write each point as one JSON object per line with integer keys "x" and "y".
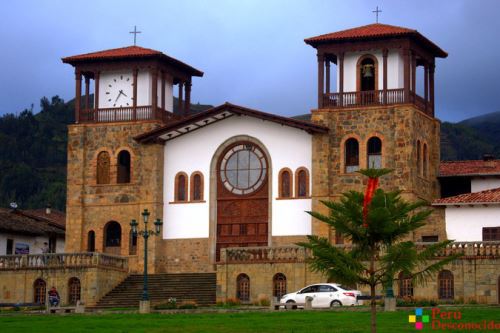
{"x": 242, "y": 197}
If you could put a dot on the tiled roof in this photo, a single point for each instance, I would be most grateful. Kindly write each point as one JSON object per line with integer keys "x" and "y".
{"x": 130, "y": 52}
{"x": 16, "y": 221}
{"x": 483, "y": 197}
{"x": 469, "y": 168}
{"x": 373, "y": 31}
{"x": 55, "y": 216}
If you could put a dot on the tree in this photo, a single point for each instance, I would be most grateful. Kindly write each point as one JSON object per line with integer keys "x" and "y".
{"x": 377, "y": 224}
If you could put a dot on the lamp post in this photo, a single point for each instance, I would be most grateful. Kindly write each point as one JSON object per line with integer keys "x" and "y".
{"x": 144, "y": 305}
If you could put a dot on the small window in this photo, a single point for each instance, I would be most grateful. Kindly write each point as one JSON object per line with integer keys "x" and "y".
{"x": 39, "y": 290}
{"x": 285, "y": 183}
{"x": 405, "y": 285}
{"x": 133, "y": 244}
{"x": 10, "y": 246}
{"x": 351, "y": 155}
{"x": 181, "y": 184}
{"x": 446, "y": 288}
{"x": 91, "y": 241}
{"x": 196, "y": 186}
{"x": 279, "y": 285}
{"x": 123, "y": 171}
{"x": 113, "y": 234}
{"x": 339, "y": 238}
{"x": 103, "y": 163}
{"x": 243, "y": 288}
{"x": 374, "y": 153}
{"x": 419, "y": 159}
{"x": 425, "y": 159}
{"x": 302, "y": 183}
{"x": 491, "y": 234}
{"x": 74, "y": 290}
{"x": 430, "y": 239}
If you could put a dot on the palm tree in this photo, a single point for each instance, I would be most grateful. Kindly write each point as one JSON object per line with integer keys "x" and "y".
{"x": 377, "y": 224}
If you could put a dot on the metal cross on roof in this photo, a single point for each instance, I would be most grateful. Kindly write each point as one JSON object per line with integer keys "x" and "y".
{"x": 376, "y": 11}
{"x": 135, "y": 32}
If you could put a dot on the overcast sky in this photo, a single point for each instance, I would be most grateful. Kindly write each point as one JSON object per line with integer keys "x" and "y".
{"x": 252, "y": 52}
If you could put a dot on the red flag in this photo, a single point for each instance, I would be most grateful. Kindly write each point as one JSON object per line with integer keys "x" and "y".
{"x": 370, "y": 190}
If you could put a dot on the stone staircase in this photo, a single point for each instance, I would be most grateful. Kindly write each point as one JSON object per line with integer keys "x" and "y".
{"x": 184, "y": 287}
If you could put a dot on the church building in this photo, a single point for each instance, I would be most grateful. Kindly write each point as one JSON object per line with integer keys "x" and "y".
{"x": 232, "y": 184}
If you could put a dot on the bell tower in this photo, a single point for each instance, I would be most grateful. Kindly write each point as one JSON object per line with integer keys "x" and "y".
{"x": 375, "y": 115}
{"x": 111, "y": 177}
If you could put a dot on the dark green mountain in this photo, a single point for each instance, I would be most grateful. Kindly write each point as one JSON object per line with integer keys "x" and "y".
{"x": 33, "y": 150}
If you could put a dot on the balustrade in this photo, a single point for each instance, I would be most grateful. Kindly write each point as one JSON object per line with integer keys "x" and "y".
{"x": 108, "y": 115}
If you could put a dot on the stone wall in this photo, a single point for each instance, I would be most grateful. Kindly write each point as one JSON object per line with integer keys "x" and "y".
{"x": 17, "y": 286}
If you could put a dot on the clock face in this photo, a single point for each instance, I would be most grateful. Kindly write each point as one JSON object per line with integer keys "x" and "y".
{"x": 119, "y": 90}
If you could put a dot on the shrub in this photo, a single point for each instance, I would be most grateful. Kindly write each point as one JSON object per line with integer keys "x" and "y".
{"x": 264, "y": 301}
{"x": 188, "y": 305}
{"x": 171, "y": 304}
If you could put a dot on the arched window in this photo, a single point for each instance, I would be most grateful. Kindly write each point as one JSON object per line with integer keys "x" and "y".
{"x": 112, "y": 234}
{"x": 103, "y": 163}
{"x": 39, "y": 290}
{"x": 91, "y": 241}
{"x": 181, "y": 184}
{"x": 123, "y": 167}
{"x": 374, "y": 151}
{"x": 285, "y": 183}
{"x": 74, "y": 290}
{"x": 419, "y": 158}
{"x": 196, "y": 186}
{"x": 405, "y": 285}
{"x": 351, "y": 155}
{"x": 425, "y": 159}
{"x": 446, "y": 288}
{"x": 132, "y": 244}
{"x": 302, "y": 183}
{"x": 243, "y": 288}
{"x": 279, "y": 285}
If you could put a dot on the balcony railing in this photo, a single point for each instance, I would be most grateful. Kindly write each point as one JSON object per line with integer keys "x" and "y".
{"x": 295, "y": 254}
{"x": 375, "y": 97}
{"x": 122, "y": 114}
{"x": 63, "y": 260}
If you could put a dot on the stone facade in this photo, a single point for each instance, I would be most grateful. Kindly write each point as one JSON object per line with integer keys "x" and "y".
{"x": 90, "y": 205}
{"x": 399, "y": 127}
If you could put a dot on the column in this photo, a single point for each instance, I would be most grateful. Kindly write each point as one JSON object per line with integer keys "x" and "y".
{"x": 87, "y": 84}
{"x": 135, "y": 72}
{"x": 414, "y": 73}
{"x": 78, "y": 95}
{"x": 431, "y": 87}
{"x": 327, "y": 68}
{"x": 321, "y": 79}
{"x": 340, "y": 60}
{"x": 97, "y": 76}
{"x": 179, "y": 111}
{"x": 426, "y": 86}
{"x": 154, "y": 93}
{"x": 385, "y": 53}
{"x": 163, "y": 91}
{"x": 187, "y": 101}
{"x": 406, "y": 60}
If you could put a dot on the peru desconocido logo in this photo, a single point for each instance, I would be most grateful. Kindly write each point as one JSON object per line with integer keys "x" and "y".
{"x": 448, "y": 321}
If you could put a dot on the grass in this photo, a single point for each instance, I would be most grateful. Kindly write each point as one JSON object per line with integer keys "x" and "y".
{"x": 241, "y": 322}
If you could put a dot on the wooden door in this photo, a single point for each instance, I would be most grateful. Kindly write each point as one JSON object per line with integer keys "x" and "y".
{"x": 242, "y": 197}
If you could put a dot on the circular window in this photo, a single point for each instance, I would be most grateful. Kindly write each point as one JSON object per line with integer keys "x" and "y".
{"x": 243, "y": 169}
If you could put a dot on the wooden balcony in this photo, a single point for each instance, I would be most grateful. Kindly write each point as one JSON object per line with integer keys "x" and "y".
{"x": 111, "y": 115}
{"x": 374, "y": 98}
{"x": 63, "y": 260}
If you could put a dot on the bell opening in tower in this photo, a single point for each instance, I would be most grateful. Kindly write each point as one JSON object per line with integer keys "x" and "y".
{"x": 367, "y": 75}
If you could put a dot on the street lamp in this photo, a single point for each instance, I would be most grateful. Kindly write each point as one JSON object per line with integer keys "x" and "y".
{"x": 145, "y": 234}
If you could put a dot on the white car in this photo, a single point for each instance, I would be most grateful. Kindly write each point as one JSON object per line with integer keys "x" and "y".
{"x": 324, "y": 295}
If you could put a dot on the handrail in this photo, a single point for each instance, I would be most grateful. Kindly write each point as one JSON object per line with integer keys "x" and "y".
{"x": 122, "y": 114}
{"x": 63, "y": 260}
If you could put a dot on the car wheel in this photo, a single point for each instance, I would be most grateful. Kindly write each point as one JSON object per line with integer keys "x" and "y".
{"x": 335, "y": 304}
{"x": 290, "y": 304}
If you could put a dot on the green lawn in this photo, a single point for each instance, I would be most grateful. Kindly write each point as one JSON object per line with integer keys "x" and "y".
{"x": 290, "y": 321}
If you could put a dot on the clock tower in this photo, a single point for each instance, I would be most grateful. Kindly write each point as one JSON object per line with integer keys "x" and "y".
{"x": 112, "y": 178}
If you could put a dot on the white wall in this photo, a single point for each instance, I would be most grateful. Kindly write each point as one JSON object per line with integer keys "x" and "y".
{"x": 394, "y": 70}
{"x": 288, "y": 147}
{"x": 143, "y": 88}
{"x": 482, "y": 184}
{"x": 465, "y": 223}
{"x": 35, "y": 243}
